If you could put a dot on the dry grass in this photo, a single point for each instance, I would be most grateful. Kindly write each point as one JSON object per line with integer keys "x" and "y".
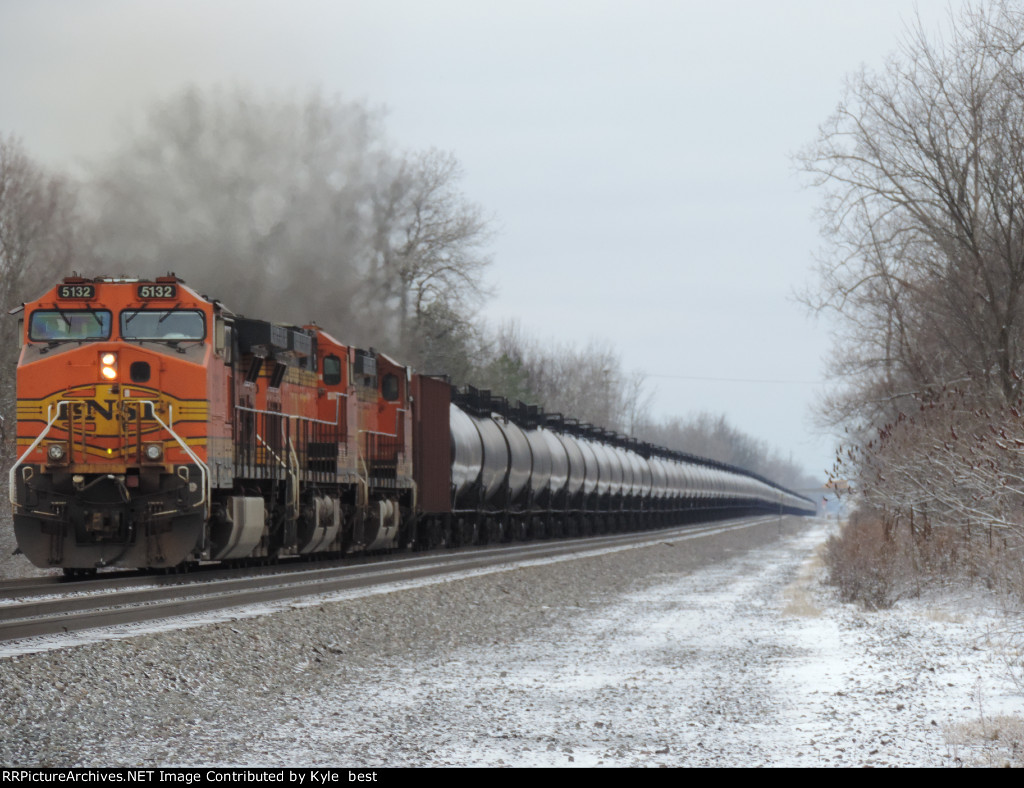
{"x": 988, "y": 742}
{"x": 944, "y": 616}
{"x": 799, "y": 600}
{"x": 800, "y": 604}
{"x": 875, "y": 566}
{"x": 866, "y": 564}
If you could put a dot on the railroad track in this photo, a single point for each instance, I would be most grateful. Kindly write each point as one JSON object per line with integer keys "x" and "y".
{"x": 51, "y": 607}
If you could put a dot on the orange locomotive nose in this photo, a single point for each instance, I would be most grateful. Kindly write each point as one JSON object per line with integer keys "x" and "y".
{"x": 113, "y": 424}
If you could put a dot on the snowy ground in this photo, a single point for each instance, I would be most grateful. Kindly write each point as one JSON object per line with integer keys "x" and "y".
{"x": 740, "y": 658}
{"x": 733, "y": 665}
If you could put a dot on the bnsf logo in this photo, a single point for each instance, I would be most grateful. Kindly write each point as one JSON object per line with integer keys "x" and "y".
{"x": 101, "y": 405}
{"x": 106, "y": 409}
{"x": 104, "y": 416}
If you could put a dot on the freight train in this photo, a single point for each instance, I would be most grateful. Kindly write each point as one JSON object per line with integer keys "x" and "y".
{"x": 158, "y": 429}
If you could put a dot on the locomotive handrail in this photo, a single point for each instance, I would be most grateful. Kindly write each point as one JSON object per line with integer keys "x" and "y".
{"x": 203, "y": 468}
{"x": 335, "y": 423}
{"x": 388, "y": 434}
{"x": 293, "y": 471}
{"x": 30, "y": 449}
{"x": 270, "y": 449}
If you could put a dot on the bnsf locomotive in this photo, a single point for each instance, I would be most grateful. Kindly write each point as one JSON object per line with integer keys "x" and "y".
{"x": 157, "y": 429}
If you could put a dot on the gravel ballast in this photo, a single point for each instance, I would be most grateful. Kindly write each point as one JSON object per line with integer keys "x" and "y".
{"x": 677, "y": 654}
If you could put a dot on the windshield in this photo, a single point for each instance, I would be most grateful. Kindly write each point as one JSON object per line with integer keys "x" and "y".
{"x": 169, "y": 324}
{"x": 56, "y": 325}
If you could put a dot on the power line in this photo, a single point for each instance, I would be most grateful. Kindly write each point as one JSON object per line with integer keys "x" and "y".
{"x": 734, "y": 380}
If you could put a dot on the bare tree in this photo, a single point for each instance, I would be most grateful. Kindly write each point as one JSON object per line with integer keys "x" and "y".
{"x": 587, "y": 383}
{"x": 710, "y": 435}
{"x": 923, "y": 171}
{"x": 38, "y": 242}
{"x": 945, "y": 480}
{"x": 429, "y": 253}
{"x": 922, "y": 167}
{"x": 295, "y": 209}
{"x": 636, "y": 403}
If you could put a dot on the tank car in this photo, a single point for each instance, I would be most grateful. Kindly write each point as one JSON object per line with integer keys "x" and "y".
{"x": 516, "y": 472}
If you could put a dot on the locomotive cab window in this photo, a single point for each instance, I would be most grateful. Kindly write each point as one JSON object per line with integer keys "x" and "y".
{"x": 163, "y": 324}
{"x": 389, "y": 387}
{"x": 332, "y": 371}
{"x": 58, "y": 325}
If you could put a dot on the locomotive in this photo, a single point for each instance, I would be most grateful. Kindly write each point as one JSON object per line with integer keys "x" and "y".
{"x": 158, "y": 429}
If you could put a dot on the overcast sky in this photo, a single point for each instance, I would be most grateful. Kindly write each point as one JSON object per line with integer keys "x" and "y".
{"x": 636, "y": 154}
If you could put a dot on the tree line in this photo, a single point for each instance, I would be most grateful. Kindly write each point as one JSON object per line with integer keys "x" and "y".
{"x": 921, "y": 168}
{"x": 296, "y": 209}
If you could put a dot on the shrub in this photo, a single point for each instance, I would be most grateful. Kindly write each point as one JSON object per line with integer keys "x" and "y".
{"x": 865, "y": 563}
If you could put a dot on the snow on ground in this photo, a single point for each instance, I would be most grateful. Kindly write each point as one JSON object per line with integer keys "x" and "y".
{"x": 730, "y": 654}
{"x": 714, "y": 668}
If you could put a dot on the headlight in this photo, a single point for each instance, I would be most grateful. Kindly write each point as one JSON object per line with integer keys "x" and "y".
{"x": 154, "y": 451}
{"x": 108, "y": 366}
{"x": 55, "y": 452}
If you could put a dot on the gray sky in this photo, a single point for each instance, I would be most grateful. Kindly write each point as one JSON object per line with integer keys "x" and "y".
{"x": 636, "y": 154}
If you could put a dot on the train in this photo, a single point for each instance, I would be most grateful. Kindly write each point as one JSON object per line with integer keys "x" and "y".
{"x": 157, "y": 429}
